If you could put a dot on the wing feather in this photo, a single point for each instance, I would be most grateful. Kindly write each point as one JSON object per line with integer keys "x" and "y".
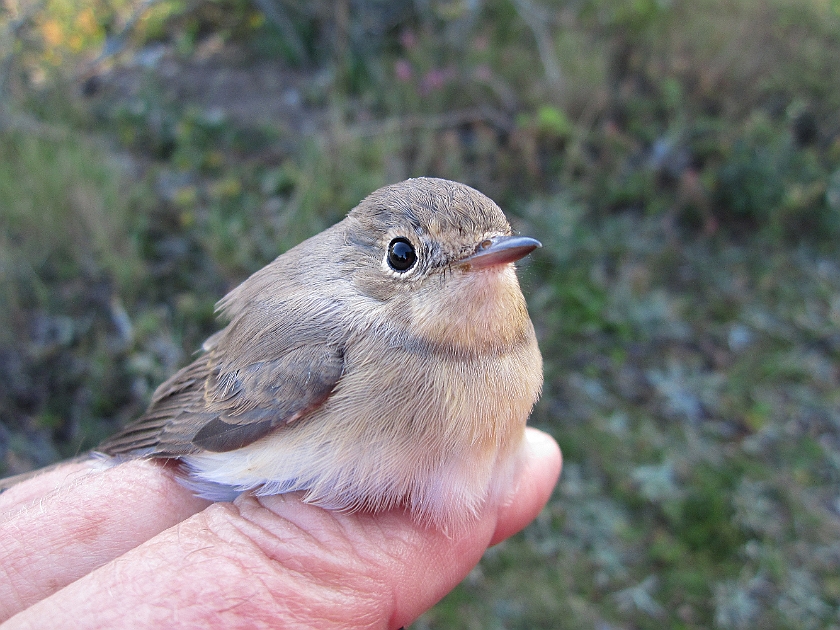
{"x": 204, "y": 406}
{"x": 278, "y": 359}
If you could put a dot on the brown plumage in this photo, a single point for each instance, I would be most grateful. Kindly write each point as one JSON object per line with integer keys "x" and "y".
{"x": 387, "y": 360}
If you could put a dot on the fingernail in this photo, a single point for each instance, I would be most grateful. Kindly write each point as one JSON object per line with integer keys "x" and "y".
{"x": 540, "y": 443}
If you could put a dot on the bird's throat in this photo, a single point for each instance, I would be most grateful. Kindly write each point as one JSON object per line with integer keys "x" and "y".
{"x": 473, "y": 312}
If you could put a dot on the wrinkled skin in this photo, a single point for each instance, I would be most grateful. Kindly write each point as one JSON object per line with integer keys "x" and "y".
{"x": 129, "y": 547}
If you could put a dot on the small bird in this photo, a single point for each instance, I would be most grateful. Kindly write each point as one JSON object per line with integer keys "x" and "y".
{"x": 387, "y": 361}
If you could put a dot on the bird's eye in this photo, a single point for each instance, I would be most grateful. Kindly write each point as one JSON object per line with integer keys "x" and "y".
{"x": 401, "y": 255}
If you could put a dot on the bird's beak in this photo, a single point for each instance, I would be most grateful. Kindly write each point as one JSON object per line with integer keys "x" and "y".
{"x": 500, "y": 250}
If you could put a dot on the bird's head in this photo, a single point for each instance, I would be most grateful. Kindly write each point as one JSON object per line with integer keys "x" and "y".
{"x": 436, "y": 256}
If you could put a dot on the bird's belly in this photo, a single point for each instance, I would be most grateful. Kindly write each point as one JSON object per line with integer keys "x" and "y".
{"x": 430, "y": 441}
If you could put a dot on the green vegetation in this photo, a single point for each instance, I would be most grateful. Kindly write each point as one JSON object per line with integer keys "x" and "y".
{"x": 679, "y": 160}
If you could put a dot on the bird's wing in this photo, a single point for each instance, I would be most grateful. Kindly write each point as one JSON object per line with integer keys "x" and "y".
{"x": 216, "y": 405}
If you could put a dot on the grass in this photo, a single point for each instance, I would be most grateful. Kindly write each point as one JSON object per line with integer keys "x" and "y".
{"x": 682, "y": 176}
{"x": 63, "y": 182}
{"x": 69, "y": 263}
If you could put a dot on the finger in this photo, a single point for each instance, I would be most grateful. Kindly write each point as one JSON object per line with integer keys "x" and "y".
{"x": 536, "y": 478}
{"x": 277, "y": 560}
{"x": 82, "y": 522}
{"x": 38, "y": 484}
{"x": 269, "y": 562}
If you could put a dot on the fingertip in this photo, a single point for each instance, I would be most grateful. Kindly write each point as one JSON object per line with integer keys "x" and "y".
{"x": 538, "y": 472}
{"x": 544, "y": 452}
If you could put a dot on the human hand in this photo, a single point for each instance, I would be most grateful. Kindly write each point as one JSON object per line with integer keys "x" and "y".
{"x": 130, "y": 547}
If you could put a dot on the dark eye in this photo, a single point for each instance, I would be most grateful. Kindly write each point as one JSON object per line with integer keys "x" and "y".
{"x": 401, "y": 255}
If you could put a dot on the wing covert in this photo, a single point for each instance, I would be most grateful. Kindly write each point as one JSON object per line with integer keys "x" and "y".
{"x": 220, "y": 407}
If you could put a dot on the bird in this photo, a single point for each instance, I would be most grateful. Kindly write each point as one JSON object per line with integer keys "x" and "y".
{"x": 388, "y": 361}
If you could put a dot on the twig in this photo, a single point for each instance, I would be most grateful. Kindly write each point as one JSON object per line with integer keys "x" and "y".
{"x": 536, "y": 18}
{"x": 440, "y": 121}
{"x": 274, "y": 11}
{"x": 115, "y": 44}
{"x": 14, "y": 28}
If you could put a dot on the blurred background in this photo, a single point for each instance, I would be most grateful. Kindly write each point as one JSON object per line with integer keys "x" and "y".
{"x": 680, "y": 161}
